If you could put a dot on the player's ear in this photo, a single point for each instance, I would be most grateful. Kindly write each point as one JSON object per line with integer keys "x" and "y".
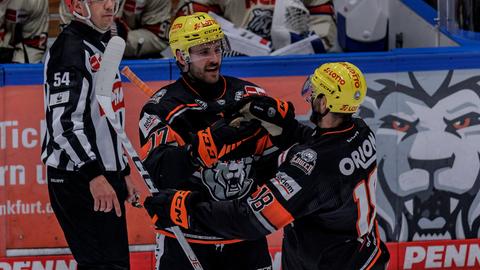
{"x": 181, "y": 60}
{"x": 78, "y": 7}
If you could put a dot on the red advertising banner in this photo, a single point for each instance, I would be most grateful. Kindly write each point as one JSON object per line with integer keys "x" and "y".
{"x": 452, "y": 255}
{"x": 29, "y": 229}
{"x": 26, "y": 217}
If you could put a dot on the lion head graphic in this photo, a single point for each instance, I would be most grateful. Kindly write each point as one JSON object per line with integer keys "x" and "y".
{"x": 260, "y": 22}
{"x": 228, "y": 180}
{"x": 427, "y": 128}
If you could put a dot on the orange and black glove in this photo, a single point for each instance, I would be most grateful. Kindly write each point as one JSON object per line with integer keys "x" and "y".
{"x": 214, "y": 142}
{"x": 170, "y": 207}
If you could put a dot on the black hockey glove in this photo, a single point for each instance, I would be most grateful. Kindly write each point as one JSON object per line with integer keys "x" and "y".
{"x": 219, "y": 139}
{"x": 275, "y": 115}
{"x": 170, "y": 207}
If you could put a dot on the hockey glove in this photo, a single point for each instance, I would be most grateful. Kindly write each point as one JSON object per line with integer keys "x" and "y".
{"x": 219, "y": 139}
{"x": 170, "y": 207}
{"x": 274, "y": 114}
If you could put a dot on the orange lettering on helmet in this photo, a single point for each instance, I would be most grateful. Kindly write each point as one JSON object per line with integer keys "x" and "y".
{"x": 203, "y": 24}
{"x": 354, "y": 74}
{"x": 334, "y": 76}
{"x": 347, "y": 108}
{"x": 177, "y": 26}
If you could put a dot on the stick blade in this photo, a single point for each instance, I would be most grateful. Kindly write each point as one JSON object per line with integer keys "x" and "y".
{"x": 106, "y": 75}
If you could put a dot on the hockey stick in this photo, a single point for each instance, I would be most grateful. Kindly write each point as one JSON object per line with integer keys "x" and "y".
{"x": 127, "y": 72}
{"x": 110, "y": 62}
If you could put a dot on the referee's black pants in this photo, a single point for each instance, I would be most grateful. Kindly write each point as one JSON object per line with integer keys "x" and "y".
{"x": 97, "y": 240}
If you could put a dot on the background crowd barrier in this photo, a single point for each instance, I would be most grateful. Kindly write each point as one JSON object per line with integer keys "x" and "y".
{"x": 423, "y": 104}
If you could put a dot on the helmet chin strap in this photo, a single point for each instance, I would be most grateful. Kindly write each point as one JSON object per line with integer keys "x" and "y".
{"x": 87, "y": 20}
{"x": 317, "y": 116}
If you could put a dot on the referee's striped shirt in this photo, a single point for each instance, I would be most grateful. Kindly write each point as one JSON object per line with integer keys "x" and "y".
{"x": 78, "y": 135}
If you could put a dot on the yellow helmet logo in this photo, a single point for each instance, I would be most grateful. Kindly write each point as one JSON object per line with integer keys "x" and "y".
{"x": 343, "y": 85}
{"x": 192, "y": 30}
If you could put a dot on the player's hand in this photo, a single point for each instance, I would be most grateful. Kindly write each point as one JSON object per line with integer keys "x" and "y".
{"x": 170, "y": 207}
{"x": 219, "y": 139}
{"x": 274, "y": 114}
{"x": 133, "y": 192}
{"x": 104, "y": 196}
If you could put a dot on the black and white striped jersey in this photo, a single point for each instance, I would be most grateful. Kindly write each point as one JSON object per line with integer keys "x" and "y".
{"x": 78, "y": 135}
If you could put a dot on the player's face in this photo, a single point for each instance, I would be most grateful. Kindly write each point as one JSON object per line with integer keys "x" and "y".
{"x": 205, "y": 61}
{"x": 102, "y": 12}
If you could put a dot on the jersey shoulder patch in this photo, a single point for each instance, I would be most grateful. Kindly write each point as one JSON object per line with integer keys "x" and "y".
{"x": 155, "y": 99}
{"x": 305, "y": 160}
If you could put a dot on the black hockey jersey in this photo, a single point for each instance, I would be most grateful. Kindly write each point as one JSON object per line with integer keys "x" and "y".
{"x": 325, "y": 189}
{"x": 171, "y": 118}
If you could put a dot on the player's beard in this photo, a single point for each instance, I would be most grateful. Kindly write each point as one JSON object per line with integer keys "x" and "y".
{"x": 316, "y": 116}
{"x": 208, "y": 74}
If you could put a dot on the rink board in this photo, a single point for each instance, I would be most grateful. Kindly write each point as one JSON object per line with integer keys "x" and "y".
{"x": 28, "y": 229}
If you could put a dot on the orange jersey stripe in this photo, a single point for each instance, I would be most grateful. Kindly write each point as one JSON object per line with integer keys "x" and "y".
{"x": 165, "y": 135}
{"x": 377, "y": 236}
{"x": 178, "y": 108}
{"x": 264, "y": 202}
{"x": 221, "y": 94}
{"x": 339, "y": 131}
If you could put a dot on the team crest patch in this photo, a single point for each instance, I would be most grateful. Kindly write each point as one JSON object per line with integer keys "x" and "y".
{"x": 305, "y": 160}
{"x": 238, "y": 95}
{"x": 95, "y": 62}
{"x": 158, "y": 96}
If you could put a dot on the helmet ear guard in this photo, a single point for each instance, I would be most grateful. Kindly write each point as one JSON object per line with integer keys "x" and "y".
{"x": 192, "y": 30}
{"x": 71, "y": 8}
{"x": 342, "y": 83}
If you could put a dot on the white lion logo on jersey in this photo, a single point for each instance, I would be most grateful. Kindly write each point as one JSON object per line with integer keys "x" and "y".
{"x": 228, "y": 180}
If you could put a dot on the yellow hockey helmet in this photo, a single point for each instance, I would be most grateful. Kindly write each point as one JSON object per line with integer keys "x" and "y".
{"x": 342, "y": 83}
{"x": 192, "y": 30}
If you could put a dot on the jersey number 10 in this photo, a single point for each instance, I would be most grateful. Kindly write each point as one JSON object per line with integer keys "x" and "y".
{"x": 364, "y": 197}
